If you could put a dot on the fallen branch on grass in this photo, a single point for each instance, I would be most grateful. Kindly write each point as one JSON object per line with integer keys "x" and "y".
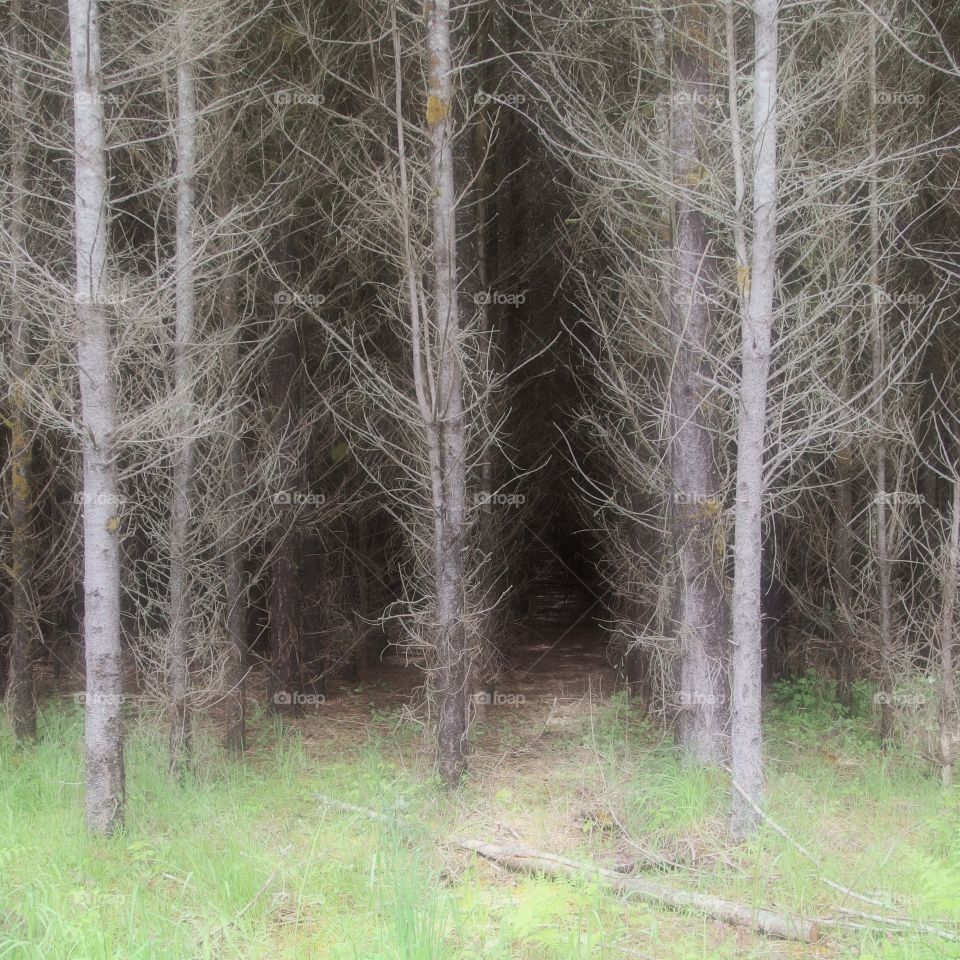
{"x": 527, "y": 860}
{"x": 846, "y": 891}
{"x": 879, "y": 921}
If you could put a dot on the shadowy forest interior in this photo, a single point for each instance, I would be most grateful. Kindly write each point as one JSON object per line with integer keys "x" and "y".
{"x": 479, "y": 479}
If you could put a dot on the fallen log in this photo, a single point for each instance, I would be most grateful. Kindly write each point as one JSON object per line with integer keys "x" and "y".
{"x": 527, "y": 860}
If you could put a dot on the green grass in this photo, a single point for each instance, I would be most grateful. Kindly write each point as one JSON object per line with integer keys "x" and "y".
{"x": 253, "y": 860}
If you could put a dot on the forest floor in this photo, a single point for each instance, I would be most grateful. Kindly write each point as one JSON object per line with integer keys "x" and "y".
{"x": 278, "y": 856}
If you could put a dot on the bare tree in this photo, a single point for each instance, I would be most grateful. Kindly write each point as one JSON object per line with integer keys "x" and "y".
{"x": 757, "y": 290}
{"x": 884, "y": 566}
{"x": 184, "y": 376}
{"x": 101, "y": 624}
{"x": 442, "y": 402}
{"x": 234, "y": 548}
{"x": 20, "y": 693}
{"x": 701, "y": 619}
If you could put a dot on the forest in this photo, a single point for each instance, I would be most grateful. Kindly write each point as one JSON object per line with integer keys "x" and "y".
{"x": 480, "y": 479}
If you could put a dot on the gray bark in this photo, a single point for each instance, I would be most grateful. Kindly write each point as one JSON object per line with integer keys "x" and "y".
{"x": 446, "y": 432}
{"x": 235, "y": 553}
{"x": 759, "y": 288}
{"x": 286, "y": 598}
{"x": 101, "y": 626}
{"x": 21, "y": 702}
{"x": 701, "y": 619}
{"x": 178, "y": 679}
{"x": 884, "y": 566}
{"x": 948, "y": 696}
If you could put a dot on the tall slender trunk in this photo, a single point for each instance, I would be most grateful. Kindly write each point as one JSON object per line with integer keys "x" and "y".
{"x": 20, "y": 693}
{"x": 884, "y": 566}
{"x": 234, "y": 550}
{"x": 844, "y": 634}
{"x": 758, "y": 289}
{"x": 286, "y": 599}
{"x": 186, "y": 137}
{"x": 484, "y": 659}
{"x": 447, "y": 437}
{"x": 101, "y": 625}
{"x": 701, "y": 618}
{"x": 948, "y": 694}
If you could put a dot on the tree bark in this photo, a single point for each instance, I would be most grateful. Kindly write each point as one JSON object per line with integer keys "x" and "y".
{"x": 484, "y": 659}
{"x": 101, "y": 626}
{"x": 843, "y": 632}
{"x": 758, "y": 289}
{"x": 446, "y": 434}
{"x": 884, "y": 566}
{"x": 235, "y": 553}
{"x": 21, "y": 701}
{"x": 701, "y": 620}
{"x": 186, "y": 136}
{"x": 286, "y": 599}
{"x": 948, "y": 695}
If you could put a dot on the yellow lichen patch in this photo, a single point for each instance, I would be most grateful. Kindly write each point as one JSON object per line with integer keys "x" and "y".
{"x": 743, "y": 279}
{"x": 437, "y": 110}
{"x": 21, "y": 463}
{"x": 719, "y": 545}
{"x": 113, "y": 524}
{"x": 711, "y": 507}
{"x": 697, "y": 175}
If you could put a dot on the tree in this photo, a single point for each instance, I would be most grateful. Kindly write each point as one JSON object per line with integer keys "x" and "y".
{"x": 757, "y": 286}
{"x": 101, "y": 623}
{"x": 701, "y": 621}
{"x": 20, "y": 694}
{"x": 184, "y": 376}
{"x": 443, "y": 412}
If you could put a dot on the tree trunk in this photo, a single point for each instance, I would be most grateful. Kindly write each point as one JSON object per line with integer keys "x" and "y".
{"x": 101, "y": 625}
{"x": 237, "y": 594}
{"x": 484, "y": 659}
{"x": 876, "y": 327}
{"x": 701, "y": 620}
{"x": 447, "y": 437}
{"x": 758, "y": 290}
{"x": 20, "y": 693}
{"x": 186, "y": 134}
{"x": 948, "y": 701}
{"x": 843, "y": 633}
{"x": 235, "y": 554}
{"x": 286, "y": 602}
